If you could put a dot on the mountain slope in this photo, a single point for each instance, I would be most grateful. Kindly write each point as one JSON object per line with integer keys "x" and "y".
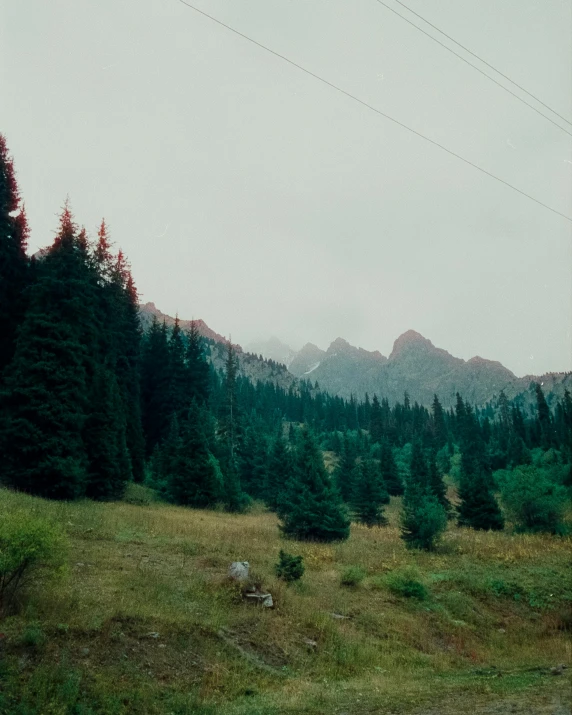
{"x": 249, "y": 365}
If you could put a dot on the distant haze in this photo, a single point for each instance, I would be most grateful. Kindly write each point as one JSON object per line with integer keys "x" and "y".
{"x": 249, "y": 195}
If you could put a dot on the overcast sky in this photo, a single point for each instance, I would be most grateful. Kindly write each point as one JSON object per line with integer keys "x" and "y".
{"x": 250, "y": 195}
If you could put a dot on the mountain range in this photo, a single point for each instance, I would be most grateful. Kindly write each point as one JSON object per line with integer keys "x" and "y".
{"x": 414, "y": 366}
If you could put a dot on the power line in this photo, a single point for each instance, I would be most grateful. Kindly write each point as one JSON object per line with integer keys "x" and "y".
{"x": 374, "y": 109}
{"x": 464, "y": 59}
{"x": 488, "y": 64}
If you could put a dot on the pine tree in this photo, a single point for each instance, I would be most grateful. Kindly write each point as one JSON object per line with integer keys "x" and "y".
{"x": 479, "y": 508}
{"x": 439, "y": 425}
{"x": 252, "y": 460}
{"x": 278, "y": 472}
{"x": 545, "y": 426}
{"x": 155, "y": 385}
{"x": 14, "y": 273}
{"x": 389, "y": 470}
{"x": 197, "y": 367}
{"x": 437, "y": 485}
{"x": 48, "y": 382}
{"x": 376, "y": 421}
{"x": 313, "y": 508}
{"x": 109, "y": 461}
{"x": 369, "y": 494}
{"x": 197, "y": 480}
{"x": 344, "y": 471}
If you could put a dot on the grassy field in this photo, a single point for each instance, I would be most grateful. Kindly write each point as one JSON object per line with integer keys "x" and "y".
{"x": 144, "y": 620}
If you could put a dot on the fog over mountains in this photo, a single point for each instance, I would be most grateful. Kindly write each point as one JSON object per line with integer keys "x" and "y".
{"x": 414, "y": 365}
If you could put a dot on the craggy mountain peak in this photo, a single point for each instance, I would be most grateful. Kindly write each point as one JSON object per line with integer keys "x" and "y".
{"x": 410, "y": 339}
{"x": 342, "y": 347}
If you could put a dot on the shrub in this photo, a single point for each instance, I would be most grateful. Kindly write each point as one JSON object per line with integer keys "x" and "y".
{"x": 352, "y": 576}
{"x": 405, "y": 582}
{"x": 289, "y": 568}
{"x": 535, "y": 502}
{"x": 140, "y": 495}
{"x": 30, "y": 548}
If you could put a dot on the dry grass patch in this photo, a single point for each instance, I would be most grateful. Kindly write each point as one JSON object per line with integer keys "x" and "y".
{"x": 165, "y": 631}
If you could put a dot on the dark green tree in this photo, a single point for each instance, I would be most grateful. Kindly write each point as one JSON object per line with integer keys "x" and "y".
{"x": 46, "y": 400}
{"x": 376, "y": 421}
{"x": 478, "y": 507}
{"x": 197, "y": 479}
{"x": 389, "y": 470}
{"x": 278, "y": 472}
{"x": 437, "y": 485}
{"x": 13, "y": 260}
{"x": 423, "y": 519}
{"x": 344, "y": 472}
{"x": 313, "y": 508}
{"x": 197, "y": 366}
{"x": 108, "y": 458}
{"x": 369, "y": 494}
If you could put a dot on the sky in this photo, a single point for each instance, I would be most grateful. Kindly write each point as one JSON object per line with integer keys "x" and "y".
{"x": 248, "y": 194}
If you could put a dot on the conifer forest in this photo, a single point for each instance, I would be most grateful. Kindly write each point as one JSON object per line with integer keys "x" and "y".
{"x": 138, "y": 461}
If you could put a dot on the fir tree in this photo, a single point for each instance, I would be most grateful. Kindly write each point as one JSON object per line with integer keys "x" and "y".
{"x": 389, "y": 470}
{"x": 376, "y": 421}
{"x": 155, "y": 384}
{"x": 439, "y": 425}
{"x": 252, "y": 460}
{"x": 437, "y": 485}
{"x": 109, "y": 462}
{"x": 278, "y": 472}
{"x": 313, "y": 508}
{"x": 197, "y": 480}
{"x": 344, "y": 471}
{"x": 197, "y": 367}
{"x": 479, "y": 508}
{"x": 369, "y": 494}
{"x": 13, "y": 260}
{"x": 47, "y": 385}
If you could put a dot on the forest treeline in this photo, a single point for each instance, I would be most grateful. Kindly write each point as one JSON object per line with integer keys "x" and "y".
{"x": 88, "y": 403}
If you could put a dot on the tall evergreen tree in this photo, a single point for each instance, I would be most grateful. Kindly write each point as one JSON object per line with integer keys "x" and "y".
{"x": 278, "y": 472}
{"x": 13, "y": 259}
{"x": 197, "y": 479}
{"x": 389, "y": 470}
{"x": 108, "y": 459}
{"x": 370, "y": 494}
{"x": 313, "y": 508}
{"x": 344, "y": 471}
{"x": 155, "y": 384}
{"x": 47, "y": 385}
{"x": 439, "y": 426}
{"x": 197, "y": 366}
{"x": 437, "y": 485}
{"x": 376, "y": 421}
{"x": 479, "y": 508}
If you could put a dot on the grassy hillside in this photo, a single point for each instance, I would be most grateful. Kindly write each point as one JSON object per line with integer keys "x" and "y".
{"x": 144, "y": 620}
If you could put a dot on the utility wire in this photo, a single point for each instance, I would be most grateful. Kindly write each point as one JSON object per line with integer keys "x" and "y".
{"x": 464, "y": 59}
{"x": 374, "y": 109}
{"x": 488, "y": 64}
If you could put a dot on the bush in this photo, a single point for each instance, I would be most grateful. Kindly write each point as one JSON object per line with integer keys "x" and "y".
{"x": 405, "y": 582}
{"x": 352, "y": 576}
{"x": 289, "y": 568}
{"x": 534, "y": 501}
{"x": 30, "y": 548}
{"x": 140, "y": 495}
